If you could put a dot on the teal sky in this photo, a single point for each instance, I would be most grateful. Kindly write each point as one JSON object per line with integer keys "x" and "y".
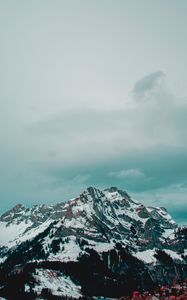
{"x": 93, "y": 93}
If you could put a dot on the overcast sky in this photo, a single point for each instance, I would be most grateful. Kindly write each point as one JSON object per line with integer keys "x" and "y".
{"x": 93, "y": 93}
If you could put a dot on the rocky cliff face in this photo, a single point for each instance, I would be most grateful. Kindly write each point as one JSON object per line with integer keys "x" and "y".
{"x": 104, "y": 232}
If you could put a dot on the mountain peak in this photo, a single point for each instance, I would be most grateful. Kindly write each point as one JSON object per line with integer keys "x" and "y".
{"x": 114, "y": 189}
{"x": 13, "y": 212}
{"x": 92, "y": 192}
{"x": 107, "y": 222}
{"x": 100, "y": 214}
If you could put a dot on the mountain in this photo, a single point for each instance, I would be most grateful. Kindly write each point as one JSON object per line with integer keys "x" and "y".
{"x": 104, "y": 237}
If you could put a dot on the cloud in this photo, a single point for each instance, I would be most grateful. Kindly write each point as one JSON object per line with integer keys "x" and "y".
{"x": 140, "y": 148}
{"x": 148, "y": 86}
{"x": 130, "y": 173}
{"x": 149, "y": 138}
{"x": 87, "y": 135}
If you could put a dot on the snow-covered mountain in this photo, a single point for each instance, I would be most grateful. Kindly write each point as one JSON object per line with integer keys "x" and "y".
{"x": 108, "y": 227}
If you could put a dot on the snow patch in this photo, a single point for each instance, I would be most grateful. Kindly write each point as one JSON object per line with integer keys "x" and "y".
{"x": 58, "y": 284}
{"x": 146, "y": 256}
{"x": 173, "y": 254}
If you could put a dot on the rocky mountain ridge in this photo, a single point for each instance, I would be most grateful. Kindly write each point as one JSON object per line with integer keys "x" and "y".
{"x": 108, "y": 227}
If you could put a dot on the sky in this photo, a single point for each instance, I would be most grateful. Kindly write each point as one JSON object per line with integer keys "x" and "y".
{"x": 93, "y": 93}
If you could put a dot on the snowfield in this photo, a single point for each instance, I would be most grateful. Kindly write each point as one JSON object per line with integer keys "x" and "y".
{"x": 58, "y": 284}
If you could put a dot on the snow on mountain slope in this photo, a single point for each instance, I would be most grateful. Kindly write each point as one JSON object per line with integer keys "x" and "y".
{"x": 147, "y": 256}
{"x": 58, "y": 284}
{"x": 14, "y": 234}
{"x": 20, "y": 223}
{"x": 113, "y": 214}
{"x": 96, "y": 218}
{"x": 10, "y": 232}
